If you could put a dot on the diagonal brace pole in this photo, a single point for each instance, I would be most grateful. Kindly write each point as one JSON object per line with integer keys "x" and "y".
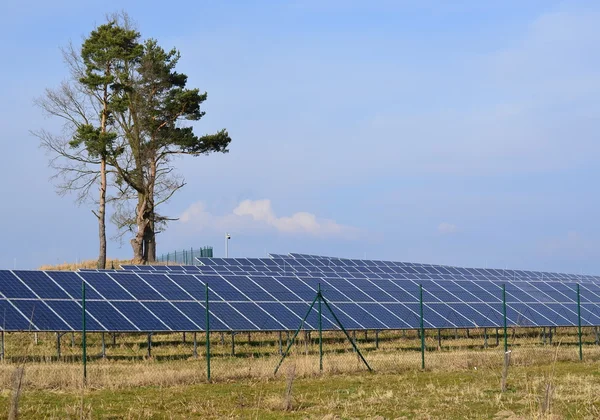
{"x": 345, "y": 332}
{"x": 291, "y": 343}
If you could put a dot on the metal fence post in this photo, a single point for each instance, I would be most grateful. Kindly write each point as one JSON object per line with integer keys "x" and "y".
{"x": 504, "y": 316}
{"x": 422, "y": 328}
{"x": 579, "y": 323}
{"x": 207, "y": 337}
{"x": 320, "y": 330}
{"x": 83, "y": 339}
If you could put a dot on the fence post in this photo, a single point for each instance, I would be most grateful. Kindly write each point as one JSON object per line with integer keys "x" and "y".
{"x": 320, "y": 330}
{"x": 579, "y": 323}
{"x": 207, "y": 338}
{"x": 504, "y": 316}
{"x": 83, "y": 339}
{"x": 422, "y": 328}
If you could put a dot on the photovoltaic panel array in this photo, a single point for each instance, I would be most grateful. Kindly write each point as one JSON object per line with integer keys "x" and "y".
{"x": 249, "y": 294}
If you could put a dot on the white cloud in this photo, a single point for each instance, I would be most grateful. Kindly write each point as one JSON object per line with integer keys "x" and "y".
{"x": 258, "y": 215}
{"x": 571, "y": 245}
{"x": 447, "y": 228}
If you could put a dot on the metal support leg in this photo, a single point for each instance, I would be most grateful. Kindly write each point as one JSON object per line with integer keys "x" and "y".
{"x": 35, "y": 338}
{"x": 195, "y": 346}
{"x": 149, "y": 344}
{"x": 456, "y": 333}
{"x": 103, "y": 347}
{"x": 550, "y": 337}
{"x": 184, "y": 336}
{"x": 114, "y": 339}
{"x": 377, "y": 339}
{"x": 595, "y": 330}
{"x": 72, "y": 339}
{"x": 249, "y": 339}
{"x": 485, "y": 338}
{"x": 280, "y": 343}
{"x": 232, "y": 343}
{"x": 222, "y": 338}
{"x": 497, "y": 338}
{"x": 468, "y": 335}
{"x": 354, "y": 338}
{"x": 58, "y": 346}
{"x": 439, "y": 339}
{"x": 2, "y": 346}
{"x": 544, "y": 336}
{"x": 366, "y": 336}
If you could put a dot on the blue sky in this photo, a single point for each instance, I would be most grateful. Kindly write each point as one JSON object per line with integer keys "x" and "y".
{"x": 409, "y": 130}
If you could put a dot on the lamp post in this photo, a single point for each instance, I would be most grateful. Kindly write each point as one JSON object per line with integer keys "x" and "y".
{"x": 227, "y": 238}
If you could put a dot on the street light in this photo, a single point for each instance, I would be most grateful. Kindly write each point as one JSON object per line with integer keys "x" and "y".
{"x": 227, "y": 238}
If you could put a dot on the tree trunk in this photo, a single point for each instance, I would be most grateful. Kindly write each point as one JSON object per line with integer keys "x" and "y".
{"x": 102, "y": 201}
{"x": 102, "y": 216}
{"x": 137, "y": 243}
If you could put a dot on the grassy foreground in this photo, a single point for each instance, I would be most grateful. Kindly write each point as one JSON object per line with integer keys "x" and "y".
{"x": 466, "y": 394}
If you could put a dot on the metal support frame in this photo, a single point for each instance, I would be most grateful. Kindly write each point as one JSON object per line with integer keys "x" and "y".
{"x": 595, "y": 330}
{"x": 149, "y": 345}
{"x": 103, "y": 347}
{"x": 57, "y": 346}
{"x": 321, "y": 298}
{"x": 544, "y": 336}
{"x": 579, "y": 323}
{"x": 439, "y": 338}
{"x": 233, "y": 343}
{"x": 195, "y": 352}
{"x": 2, "y": 346}
{"x": 280, "y": 343}
{"x": 377, "y": 339}
{"x": 485, "y": 338}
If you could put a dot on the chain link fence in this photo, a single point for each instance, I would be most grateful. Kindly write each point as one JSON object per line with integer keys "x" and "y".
{"x": 185, "y": 256}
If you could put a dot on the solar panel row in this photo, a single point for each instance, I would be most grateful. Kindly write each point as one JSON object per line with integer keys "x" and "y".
{"x": 150, "y": 301}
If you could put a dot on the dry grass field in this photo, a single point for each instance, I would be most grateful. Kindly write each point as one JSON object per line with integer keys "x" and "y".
{"x": 461, "y": 379}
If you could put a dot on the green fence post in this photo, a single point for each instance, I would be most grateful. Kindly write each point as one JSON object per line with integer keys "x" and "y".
{"x": 504, "y": 316}
{"x": 320, "y": 331}
{"x": 83, "y": 341}
{"x": 207, "y": 338}
{"x": 422, "y": 328}
{"x": 579, "y": 323}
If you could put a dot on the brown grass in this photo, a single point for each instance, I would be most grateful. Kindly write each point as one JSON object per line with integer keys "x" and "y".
{"x": 87, "y": 264}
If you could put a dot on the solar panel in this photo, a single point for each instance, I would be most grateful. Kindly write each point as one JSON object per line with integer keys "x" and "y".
{"x": 274, "y": 294}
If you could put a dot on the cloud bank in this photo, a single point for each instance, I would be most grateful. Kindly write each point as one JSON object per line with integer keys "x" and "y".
{"x": 258, "y": 215}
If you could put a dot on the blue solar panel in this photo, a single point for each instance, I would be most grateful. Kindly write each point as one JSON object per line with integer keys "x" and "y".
{"x": 274, "y": 294}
